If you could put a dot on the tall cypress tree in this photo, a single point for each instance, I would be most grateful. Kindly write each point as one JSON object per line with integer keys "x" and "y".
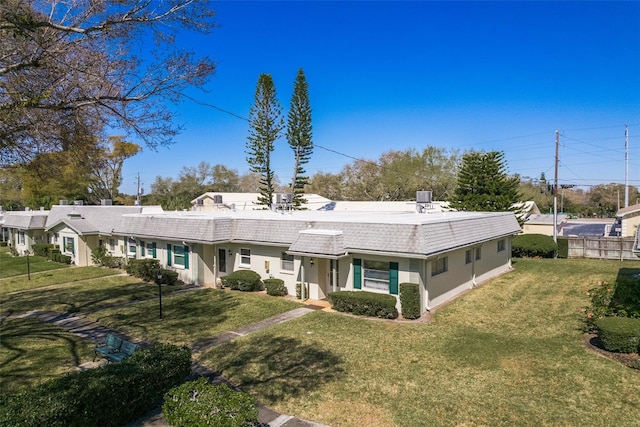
{"x": 483, "y": 184}
{"x": 265, "y": 126}
{"x": 299, "y": 133}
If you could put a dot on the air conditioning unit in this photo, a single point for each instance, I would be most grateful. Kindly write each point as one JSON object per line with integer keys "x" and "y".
{"x": 78, "y": 202}
{"x": 63, "y": 202}
{"x": 106, "y": 202}
{"x": 423, "y": 196}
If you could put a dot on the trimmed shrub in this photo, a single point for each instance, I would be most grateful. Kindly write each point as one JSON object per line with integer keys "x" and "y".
{"x": 299, "y": 290}
{"x": 112, "y": 395}
{"x": 169, "y": 277}
{"x": 61, "y": 258}
{"x": 145, "y": 269}
{"x": 4, "y": 244}
{"x": 275, "y": 287}
{"x": 364, "y": 303}
{"x": 114, "y": 262}
{"x": 563, "y": 247}
{"x": 533, "y": 246}
{"x": 410, "y": 300}
{"x": 619, "y": 334}
{"x": 243, "y": 280}
{"x": 198, "y": 403}
{"x": 42, "y": 249}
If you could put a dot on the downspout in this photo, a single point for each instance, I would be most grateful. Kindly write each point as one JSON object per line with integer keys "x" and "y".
{"x": 334, "y": 274}
{"x": 302, "y": 279}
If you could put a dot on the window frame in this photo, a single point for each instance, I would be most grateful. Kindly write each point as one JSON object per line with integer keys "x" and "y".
{"x": 468, "y": 256}
{"x": 378, "y": 272}
{"x": 132, "y": 243}
{"x": 502, "y": 245}
{"x": 439, "y": 266}
{"x": 286, "y": 261}
{"x": 245, "y": 257}
{"x": 478, "y": 254}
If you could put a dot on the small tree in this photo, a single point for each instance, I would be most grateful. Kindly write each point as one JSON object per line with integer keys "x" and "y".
{"x": 299, "y": 132}
{"x": 483, "y": 184}
{"x": 265, "y": 126}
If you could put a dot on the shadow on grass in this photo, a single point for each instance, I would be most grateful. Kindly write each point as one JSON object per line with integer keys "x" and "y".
{"x": 32, "y": 351}
{"x": 276, "y": 368}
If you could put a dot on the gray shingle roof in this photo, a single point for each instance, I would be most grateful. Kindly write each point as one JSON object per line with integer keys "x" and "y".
{"x": 31, "y": 220}
{"x": 87, "y": 219}
{"x": 318, "y": 242}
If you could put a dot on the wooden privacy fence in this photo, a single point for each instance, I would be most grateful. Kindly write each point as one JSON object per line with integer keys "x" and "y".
{"x": 620, "y": 248}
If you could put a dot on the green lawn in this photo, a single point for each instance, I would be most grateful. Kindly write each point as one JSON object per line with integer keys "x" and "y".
{"x": 13, "y": 266}
{"x": 32, "y": 352}
{"x": 53, "y": 277}
{"x": 193, "y": 316}
{"x": 511, "y": 352}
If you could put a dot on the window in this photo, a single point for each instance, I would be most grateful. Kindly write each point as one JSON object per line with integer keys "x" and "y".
{"x": 143, "y": 249}
{"x": 112, "y": 245}
{"x": 56, "y": 236}
{"x": 245, "y": 256}
{"x": 439, "y": 266}
{"x": 334, "y": 265}
{"x": 21, "y": 238}
{"x": 478, "y": 253}
{"x": 286, "y": 262}
{"x": 68, "y": 244}
{"x": 376, "y": 275}
{"x": 468, "y": 256}
{"x": 501, "y": 245}
{"x": 131, "y": 247}
{"x": 222, "y": 260}
{"x": 178, "y": 255}
{"x": 151, "y": 249}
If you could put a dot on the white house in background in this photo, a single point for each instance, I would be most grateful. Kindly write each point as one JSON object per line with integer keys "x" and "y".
{"x": 220, "y": 201}
{"x": 445, "y": 252}
{"x": 543, "y": 224}
{"x": 25, "y": 228}
{"x": 627, "y": 220}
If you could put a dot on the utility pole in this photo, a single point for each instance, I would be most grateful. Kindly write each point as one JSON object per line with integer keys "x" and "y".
{"x": 555, "y": 192}
{"x": 139, "y": 192}
{"x": 626, "y": 166}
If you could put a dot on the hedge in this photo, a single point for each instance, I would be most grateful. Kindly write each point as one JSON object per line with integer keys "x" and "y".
{"x": 243, "y": 280}
{"x": 198, "y": 403}
{"x": 275, "y": 287}
{"x": 112, "y": 395}
{"x": 62, "y": 259}
{"x": 42, "y": 249}
{"x": 410, "y": 300}
{"x": 563, "y": 247}
{"x": 619, "y": 334}
{"x": 145, "y": 269}
{"x": 364, "y": 303}
{"x": 533, "y": 246}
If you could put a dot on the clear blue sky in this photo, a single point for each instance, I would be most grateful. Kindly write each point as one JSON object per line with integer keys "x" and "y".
{"x": 397, "y": 75}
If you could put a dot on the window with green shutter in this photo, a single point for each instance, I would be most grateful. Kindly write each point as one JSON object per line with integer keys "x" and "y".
{"x": 393, "y": 278}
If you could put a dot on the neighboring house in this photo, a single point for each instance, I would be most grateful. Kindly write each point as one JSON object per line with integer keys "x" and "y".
{"x": 446, "y": 253}
{"x": 385, "y": 206}
{"x": 25, "y": 228}
{"x": 78, "y": 229}
{"x": 217, "y": 201}
{"x": 627, "y": 220}
{"x": 543, "y": 224}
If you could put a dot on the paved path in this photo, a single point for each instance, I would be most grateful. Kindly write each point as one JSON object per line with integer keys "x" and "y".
{"x": 78, "y": 324}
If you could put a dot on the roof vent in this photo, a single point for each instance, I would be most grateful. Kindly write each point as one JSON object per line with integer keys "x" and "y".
{"x": 106, "y": 202}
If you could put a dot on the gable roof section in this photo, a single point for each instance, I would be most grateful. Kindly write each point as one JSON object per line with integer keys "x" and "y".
{"x": 26, "y": 220}
{"x": 628, "y": 210}
{"x": 328, "y": 243}
{"x": 176, "y": 227}
{"x": 88, "y": 219}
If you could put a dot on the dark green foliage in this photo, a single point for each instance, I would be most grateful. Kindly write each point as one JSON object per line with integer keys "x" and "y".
{"x": 483, "y": 184}
{"x": 299, "y": 291}
{"x": 145, "y": 269}
{"x": 364, "y": 303}
{"x": 299, "y": 133}
{"x": 275, "y": 287}
{"x": 3, "y": 244}
{"x": 410, "y": 300}
{"x": 265, "y": 125}
{"x": 112, "y": 395}
{"x": 98, "y": 254}
{"x": 243, "y": 280}
{"x": 42, "y": 249}
{"x": 533, "y": 245}
{"x": 58, "y": 257}
{"x": 198, "y": 403}
{"x": 563, "y": 247}
{"x": 619, "y": 334}
{"x": 169, "y": 277}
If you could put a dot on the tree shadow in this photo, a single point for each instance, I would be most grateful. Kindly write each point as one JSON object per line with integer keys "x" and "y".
{"x": 276, "y": 368}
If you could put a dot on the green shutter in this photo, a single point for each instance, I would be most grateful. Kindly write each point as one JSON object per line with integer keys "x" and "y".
{"x": 142, "y": 249}
{"x": 153, "y": 251}
{"x": 73, "y": 248}
{"x": 357, "y": 273}
{"x": 169, "y": 255}
{"x": 186, "y": 257}
{"x": 393, "y": 278}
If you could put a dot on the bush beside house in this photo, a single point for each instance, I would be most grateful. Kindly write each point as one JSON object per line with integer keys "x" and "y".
{"x": 243, "y": 280}
{"x": 619, "y": 334}
{"x": 533, "y": 246}
{"x": 410, "y": 300}
{"x": 275, "y": 287}
{"x": 364, "y": 303}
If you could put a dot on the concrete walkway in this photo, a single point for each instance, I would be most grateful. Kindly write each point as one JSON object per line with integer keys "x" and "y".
{"x": 78, "y": 324}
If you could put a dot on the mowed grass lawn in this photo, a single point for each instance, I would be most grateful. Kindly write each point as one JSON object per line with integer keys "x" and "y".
{"x": 511, "y": 352}
{"x": 13, "y": 266}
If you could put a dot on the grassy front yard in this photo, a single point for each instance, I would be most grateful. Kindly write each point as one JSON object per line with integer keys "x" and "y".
{"x": 509, "y": 353}
{"x": 13, "y": 266}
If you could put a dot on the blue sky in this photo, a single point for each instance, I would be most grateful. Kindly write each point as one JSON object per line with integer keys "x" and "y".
{"x": 397, "y": 75}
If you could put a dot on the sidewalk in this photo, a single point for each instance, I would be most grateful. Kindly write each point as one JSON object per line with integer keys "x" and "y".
{"x": 87, "y": 329}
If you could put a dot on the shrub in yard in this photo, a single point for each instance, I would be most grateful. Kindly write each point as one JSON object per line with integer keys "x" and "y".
{"x": 169, "y": 277}
{"x": 112, "y": 395}
{"x": 275, "y": 287}
{"x": 145, "y": 269}
{"x": 619, "y": 334}
{"x": 243, "y": 280}
{"x": 42, "y": 249}
{"x": 61, "y": 258}
{"x": 533, "y": 245}
{"x": 410, "y": 300}
{"x": 299, "y": 290}
{"x": 364, "y": 303}
{"x": 563, "y": 247}
{"x": 198, "y": 403}
{"x": 114, "y": 262}
{"x": 619, "y": 299}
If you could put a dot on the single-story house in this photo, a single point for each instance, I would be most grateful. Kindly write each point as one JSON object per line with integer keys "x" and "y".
{"x": 543, "y": 224}
{"x": 25, "y": 228}
{"x": 627, "y": 219}
{"x": 445, "y": 252}
{"x": 221, "y": 201}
